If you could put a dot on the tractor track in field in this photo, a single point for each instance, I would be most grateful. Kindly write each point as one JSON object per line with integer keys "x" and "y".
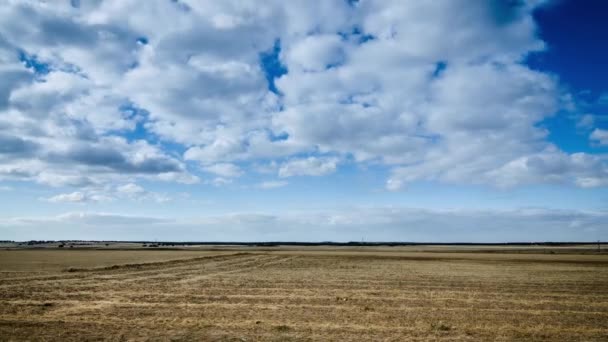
{"x": 282, "y": 296}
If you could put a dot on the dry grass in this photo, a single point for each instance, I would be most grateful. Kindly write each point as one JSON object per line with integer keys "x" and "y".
{"x": 45, "y": 260}
{"x": 301, "y": 295}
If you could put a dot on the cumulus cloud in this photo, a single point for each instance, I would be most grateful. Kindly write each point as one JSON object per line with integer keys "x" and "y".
{"x": 599, "y": 136}
{"x": 16, "y": 146}
{"x": 226, "y": 170}
{"x": 130, "y": 191}
{"x": 86, "y": 196}
{"x": 547, "y": 166}
{"x": 63, "y": 121}
{"x": 109, "y": 92}
{"x": 311, "y": 166}
{"x": 109, "y": 158}
{"x": 315, "y": 53}
{"x": 76, "y": 197}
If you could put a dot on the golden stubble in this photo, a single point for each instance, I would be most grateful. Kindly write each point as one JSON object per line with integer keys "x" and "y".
{"x": 291, "y": 294}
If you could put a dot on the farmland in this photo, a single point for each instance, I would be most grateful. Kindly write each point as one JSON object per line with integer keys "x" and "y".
{"x": 246, "y": 294}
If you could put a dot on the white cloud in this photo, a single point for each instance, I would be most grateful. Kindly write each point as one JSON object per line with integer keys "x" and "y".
{"x": 315, "y": 53}
{"x": 394, "y": 183}
{"x": 130, "y": 191}
{"x": 225, "y": 170}
{"x": 91, "y": 195}
{"x": 93, "y": 218}
{"x": 586, "y": 121}
{"x": 599, "y": 136}
{"x": 442, "y": 96}
{"x": 136, "y": 192}
{"x": 271, "y": 184}
{"x": 220, "y": 181}
{"x": 591, "y": 182}
{"x": 70, "y": 197}
{"x": 159, "y": 198}
{"x": 384, "y": 103}
{"x": 45, "y": 158}
{"x": 548, "y": 166}
{"x": 349, "y": 224}
{"x": 311, "y": 166}
{"x": 266, "y": 168}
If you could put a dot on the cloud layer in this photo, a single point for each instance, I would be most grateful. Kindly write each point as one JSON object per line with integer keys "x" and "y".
{"x": 354, "y": 224}
{"x": 112, "y": 92}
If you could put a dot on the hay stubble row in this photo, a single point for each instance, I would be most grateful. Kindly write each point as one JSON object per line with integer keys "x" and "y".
{"x": 313, "y": 296}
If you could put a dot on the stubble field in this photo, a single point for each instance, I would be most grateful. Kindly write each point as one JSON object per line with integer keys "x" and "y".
{"x": 347, "y": 295}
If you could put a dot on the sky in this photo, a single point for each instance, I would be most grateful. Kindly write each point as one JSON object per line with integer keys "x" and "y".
{"x": 304, "y": 120}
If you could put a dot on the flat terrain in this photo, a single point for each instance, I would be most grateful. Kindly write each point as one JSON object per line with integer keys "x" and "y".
{"x": 302, "y": 294}
{"x": 48, "y": 260}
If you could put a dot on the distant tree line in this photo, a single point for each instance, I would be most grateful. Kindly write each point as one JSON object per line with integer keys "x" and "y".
{"x": 37, "y": 242}
{"x": 351, "y": 243}
{"x": 294, "y": 243}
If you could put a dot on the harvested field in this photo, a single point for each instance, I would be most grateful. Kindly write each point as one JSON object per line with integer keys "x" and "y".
{"x": 46, "y": 260}
{"x": 300, "y": 295}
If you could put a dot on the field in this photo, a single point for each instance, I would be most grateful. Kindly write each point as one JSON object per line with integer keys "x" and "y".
{"x": 283, "y": 294}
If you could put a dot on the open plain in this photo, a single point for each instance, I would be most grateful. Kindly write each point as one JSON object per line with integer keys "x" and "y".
{"x": 351, "y": 294}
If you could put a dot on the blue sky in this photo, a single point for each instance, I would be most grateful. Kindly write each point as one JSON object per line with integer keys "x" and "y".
{"x": 304, "y": 120}
{"x": 577, "y": 50}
